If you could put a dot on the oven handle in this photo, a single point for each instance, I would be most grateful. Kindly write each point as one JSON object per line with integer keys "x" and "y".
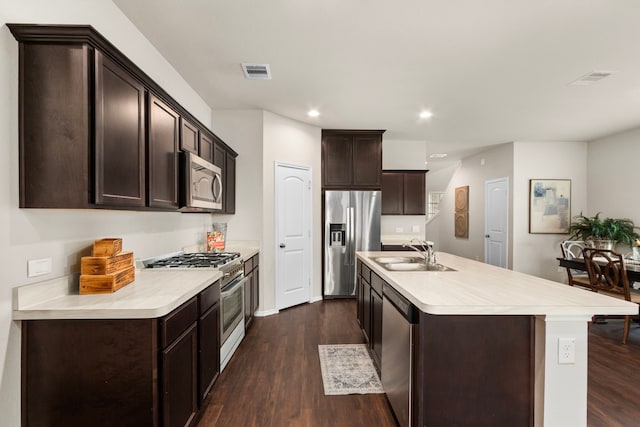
{"x": 231, "y": 287}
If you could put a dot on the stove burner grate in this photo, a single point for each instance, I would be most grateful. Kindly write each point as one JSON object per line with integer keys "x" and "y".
{"x": 195, "y": 260}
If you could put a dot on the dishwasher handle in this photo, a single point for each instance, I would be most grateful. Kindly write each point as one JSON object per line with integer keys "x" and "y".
{"x": 403, "y": 305}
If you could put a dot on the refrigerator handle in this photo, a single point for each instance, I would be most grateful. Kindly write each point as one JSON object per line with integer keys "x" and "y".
{"x": 352, "y": 236}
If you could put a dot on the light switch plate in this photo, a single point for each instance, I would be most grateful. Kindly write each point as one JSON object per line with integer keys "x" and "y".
{"x": 415, "y": 229}
{"x": 39, "y": 267}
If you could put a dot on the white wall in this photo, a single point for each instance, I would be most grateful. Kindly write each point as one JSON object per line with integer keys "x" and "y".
{"x": 614, "y": 176}
{"x": 243, "y": 131}
{"x": 473, "y": 171}
{"x": 262, "y": 138}
{"x": 66, "y": 235}
{"x": 536, "y": 253}
{"x": 292, "y": 142}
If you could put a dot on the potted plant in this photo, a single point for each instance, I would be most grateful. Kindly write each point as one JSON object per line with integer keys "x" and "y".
{"x": 603, "y": 233}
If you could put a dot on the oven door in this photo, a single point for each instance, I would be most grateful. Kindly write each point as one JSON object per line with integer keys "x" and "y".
{"x": 232, "y": 307}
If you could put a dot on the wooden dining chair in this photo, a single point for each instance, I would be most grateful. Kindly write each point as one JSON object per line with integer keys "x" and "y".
{"x": 572, "y": 249}
{"x": 607, "y": 275}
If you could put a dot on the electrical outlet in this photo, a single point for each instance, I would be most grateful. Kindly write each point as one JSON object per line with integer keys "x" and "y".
{"x": 561, "y": 269}
{"x": 566, "y": 351}
{"x": 39, "y": 267}
{"x": 399, "y": 230}
{"x": 415, "y": 228}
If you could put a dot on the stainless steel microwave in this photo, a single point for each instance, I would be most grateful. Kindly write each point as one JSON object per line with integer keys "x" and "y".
{"x": 201, "y": 184}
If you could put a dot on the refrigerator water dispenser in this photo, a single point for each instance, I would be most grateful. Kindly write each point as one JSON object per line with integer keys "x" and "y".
{"x": 337, "y": 235}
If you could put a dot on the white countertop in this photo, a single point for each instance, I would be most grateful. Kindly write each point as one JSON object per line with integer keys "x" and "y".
{"x": 154, "y": 293}
{"x": 478, "y": 288}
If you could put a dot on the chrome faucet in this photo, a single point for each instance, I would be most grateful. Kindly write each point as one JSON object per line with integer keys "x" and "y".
{"x": 427, "y": 252}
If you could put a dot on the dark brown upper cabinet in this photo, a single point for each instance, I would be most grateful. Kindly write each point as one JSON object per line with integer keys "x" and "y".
{"x": 403, "y": 192}
{"x": 352, "y": 159}
{"x": 87, "y": 138}
{"x": 189, "y": 136}
{"x": 163, "y": 155}
{"x": 206, "y": 147}
{"x": 55, "y": 125}
{"x": 229, "y": 196}
{"x": 119, "y": 136}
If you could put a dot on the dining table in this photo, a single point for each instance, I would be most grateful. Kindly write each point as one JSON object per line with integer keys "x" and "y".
{"x": 631, "y": 266}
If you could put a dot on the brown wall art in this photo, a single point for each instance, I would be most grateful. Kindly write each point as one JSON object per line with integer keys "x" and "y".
{"x": 461, "y": 215}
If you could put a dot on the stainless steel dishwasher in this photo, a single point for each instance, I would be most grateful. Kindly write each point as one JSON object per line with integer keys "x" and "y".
{"x": 399, "y": 318}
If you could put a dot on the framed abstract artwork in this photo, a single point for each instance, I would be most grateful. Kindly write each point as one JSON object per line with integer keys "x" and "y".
{"x": 549, "y": 206}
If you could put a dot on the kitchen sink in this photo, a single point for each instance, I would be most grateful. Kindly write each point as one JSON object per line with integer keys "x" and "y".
{"x": 398, "y": 259}
{"x": 409, "y": 264}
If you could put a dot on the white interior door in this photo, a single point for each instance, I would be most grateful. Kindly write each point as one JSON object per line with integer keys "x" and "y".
{"x": 293, "y": 235}
{"x": 496, "y": 222}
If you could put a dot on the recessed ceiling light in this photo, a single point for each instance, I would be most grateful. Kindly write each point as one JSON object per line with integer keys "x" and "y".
{"x": 313, "y": 113}
{"x": 425, "y": 114}
{"x": 438, "y": 155}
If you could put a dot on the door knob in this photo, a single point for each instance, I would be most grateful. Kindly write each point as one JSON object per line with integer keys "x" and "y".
{"x": 282, "y": 245}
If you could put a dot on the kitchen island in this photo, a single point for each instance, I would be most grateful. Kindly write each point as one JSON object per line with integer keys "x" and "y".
{"x": 486, "y": 342}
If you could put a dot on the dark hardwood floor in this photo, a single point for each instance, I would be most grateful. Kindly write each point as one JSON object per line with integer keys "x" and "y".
{"x": 274, "y": 378}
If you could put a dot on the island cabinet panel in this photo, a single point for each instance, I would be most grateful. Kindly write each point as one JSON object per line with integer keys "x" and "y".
{"x": 352, "y": 159}
{"x": 54, "y": 110}
{"x": 119, "y": 136}
{"x": 163, "y": 155}
{"x": 474, "y": 370}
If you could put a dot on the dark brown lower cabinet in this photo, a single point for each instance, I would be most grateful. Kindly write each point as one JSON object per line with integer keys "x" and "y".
{"x": 376, "y": 327}
{"x": 124, "y": 372}
{"x": 180, "y": 380}
{"x": 209, "y": 347}
{"x": 251, "y": 289}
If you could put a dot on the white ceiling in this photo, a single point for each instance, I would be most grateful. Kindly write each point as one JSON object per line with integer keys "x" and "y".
{"x": 491, "y": 71}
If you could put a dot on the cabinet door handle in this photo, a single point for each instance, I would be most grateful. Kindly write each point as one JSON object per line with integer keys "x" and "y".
{"x": 282, "y": 245}
{"x": 486, "y": 236}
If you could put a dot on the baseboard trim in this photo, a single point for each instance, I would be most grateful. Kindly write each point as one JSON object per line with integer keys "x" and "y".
{"x": 315, "y": 299}
{"x": 265, "y": 313}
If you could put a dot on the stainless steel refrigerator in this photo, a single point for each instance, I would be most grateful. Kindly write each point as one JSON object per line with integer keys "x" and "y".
{"x": 351, "y": 223}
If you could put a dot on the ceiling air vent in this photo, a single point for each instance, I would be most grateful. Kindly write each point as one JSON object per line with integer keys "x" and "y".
{"x": 256, "y": 71}
{"x": 591, "y": 78}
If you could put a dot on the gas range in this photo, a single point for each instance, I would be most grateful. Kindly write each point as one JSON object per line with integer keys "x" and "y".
{"x": 231, "y": 290}
{"x": 229, "y": 263}
{"x": 192, "y": 260}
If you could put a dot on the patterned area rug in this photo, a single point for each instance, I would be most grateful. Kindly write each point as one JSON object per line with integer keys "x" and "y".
{"x": 348, "y": 369}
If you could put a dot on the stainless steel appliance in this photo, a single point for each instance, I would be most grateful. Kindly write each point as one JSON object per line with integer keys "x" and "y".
{"x": 201, "y": 184}
{"x": 231, "y": 291}
{"x": 351, "y": 223}
{"x": 399, "y": 318}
